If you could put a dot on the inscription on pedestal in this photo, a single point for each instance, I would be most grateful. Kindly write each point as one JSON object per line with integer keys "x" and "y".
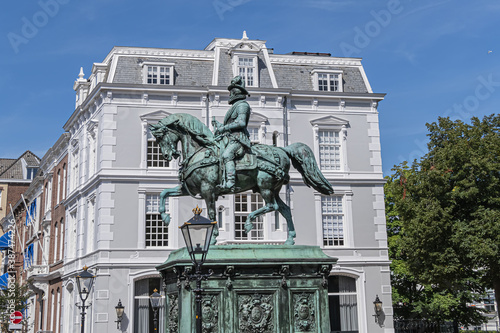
{"x": 256, "y": 313}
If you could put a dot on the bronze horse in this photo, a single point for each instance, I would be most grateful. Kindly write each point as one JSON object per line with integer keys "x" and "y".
{"x": 200, "y": 169}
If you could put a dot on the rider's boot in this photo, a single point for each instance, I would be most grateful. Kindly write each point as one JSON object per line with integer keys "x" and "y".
{"x": 230, "y": 176}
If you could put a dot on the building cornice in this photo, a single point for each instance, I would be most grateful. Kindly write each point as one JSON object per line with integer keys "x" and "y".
{"x": 102, "y": 90}
{"x": 314, "y": 60}
{"x": 158, "y": 52}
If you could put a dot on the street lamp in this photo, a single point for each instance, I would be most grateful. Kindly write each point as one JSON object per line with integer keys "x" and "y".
{"x": 378, "y": 308}
{"x": 84, "y": 282}
{"x": 119, "y": 313}
{"x": 155, "y": 299}
{"x": 197, "y": 233}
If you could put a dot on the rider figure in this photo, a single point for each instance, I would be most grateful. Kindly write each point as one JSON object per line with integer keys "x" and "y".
{"x": 233, "y": 133}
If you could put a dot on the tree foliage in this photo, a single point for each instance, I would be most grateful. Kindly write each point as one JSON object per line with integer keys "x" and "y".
{"x": 444, "y": 222}
{"x": 12, "y": 299}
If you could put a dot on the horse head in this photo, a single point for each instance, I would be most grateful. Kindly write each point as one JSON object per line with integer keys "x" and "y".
{"x": 166, "y": 139}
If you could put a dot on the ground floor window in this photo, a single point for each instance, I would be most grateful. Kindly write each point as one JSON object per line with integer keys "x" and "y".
{"x": 244, "y": 204}
{"x": 343, "y": 305}
{"x": 143, "y": 311}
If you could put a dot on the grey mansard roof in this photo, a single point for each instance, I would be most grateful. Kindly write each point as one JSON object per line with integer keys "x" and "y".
{"x": 291, "y": 71}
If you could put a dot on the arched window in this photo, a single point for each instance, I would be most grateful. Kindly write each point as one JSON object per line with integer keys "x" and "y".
{"x": 58, "y": 311}
{"x": 343, "y": 304}
{"x": 58, "y": 199}
{"x": 143, "y": 312}
{"x": 64, "y": 182}
{"x": 52, "y": 308}
{"x": 56, "y": 242}
{"x": 61, "y": 239}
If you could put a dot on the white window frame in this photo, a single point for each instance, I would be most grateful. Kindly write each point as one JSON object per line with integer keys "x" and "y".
{"x": 346, "y": 194}
{"x": 255, "y": 66}
{"x": 72, "y": 233}
{"x": 356, "y": 293}
{"x": 331, "y": 124}
{"x": 61, "y": 239}
{"x": 90, "y": 232}
{"x": 65, "y": 175}
{"x": 158, "y": 65}
{"x": 92, "y": 148}
{"x": 333, "y": 216}
{"x": 147, "y": 119}
{"x": 151, "y": 212}
{"x": 329, "y": 72}
{"x": 151, "y": 144}
{"x": 258, "y": 121}
{"x": 259, "y": 224}
{"x": 75, "y": 168}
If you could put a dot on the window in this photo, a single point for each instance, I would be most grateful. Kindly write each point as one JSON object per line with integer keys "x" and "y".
{"x": 246, "y": 203}
{"x": 328, "y": 80}
{"x": 156, "y": 230}
{"x": 143, "y": 312}
{"x": 332, "y": 216}
{"x": 64, "y": 182}
{"x": 75, "y": 174}
{"x": 71, "y": 243}
{"x": 48, "y": 195}
{"x": 91, "y": 225}
{"x": 56, "y": 243}
{"x": 154, "y": 155}
{"x": 91, "y": 149}
{"x": 158, "y": 73}
{"x": 246, "y": 68}
{"x": 329, "y": 149}
{"x": 342, "y": 303}
{"x": 31, "y": 172}
{"x": 58, "y": 199}
{"x": 61, "y": 240}
{"x": 254, "y": 134}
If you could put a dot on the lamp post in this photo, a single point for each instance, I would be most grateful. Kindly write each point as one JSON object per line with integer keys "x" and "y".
{"x": 197, "y": 233}
{"x": 119, "y": 313}
{"x": 84, "y": 282}
{"x": 378, "y": 308}
{"x": 155, "y": 299}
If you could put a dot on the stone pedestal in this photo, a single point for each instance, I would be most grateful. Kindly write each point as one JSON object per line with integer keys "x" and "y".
{"x": 254, "y": 288}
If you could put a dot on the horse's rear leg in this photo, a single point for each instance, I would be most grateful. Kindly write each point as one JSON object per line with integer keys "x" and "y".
{"x": 270, "y": 206}
{"x": 287, "y": 214}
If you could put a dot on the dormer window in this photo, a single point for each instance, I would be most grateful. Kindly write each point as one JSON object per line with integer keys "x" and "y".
{"x": 158, "y": 73}
{"x": 245, "y": 65}
{"x": 246, "y": 70}
{"x": 327, "y": 80}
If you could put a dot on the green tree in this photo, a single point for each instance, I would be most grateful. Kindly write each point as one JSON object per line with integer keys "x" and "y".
{"x": 13, "y": 298}
{"x": 444, "y": 221}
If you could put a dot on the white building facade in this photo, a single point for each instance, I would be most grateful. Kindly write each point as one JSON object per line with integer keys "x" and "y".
{"x": 116, "y": 172}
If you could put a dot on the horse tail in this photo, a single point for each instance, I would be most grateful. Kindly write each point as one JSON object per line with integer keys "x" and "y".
{"x": 303, "y": 160}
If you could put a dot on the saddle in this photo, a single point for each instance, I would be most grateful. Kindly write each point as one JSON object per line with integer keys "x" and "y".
{"x": 260, "y": 156}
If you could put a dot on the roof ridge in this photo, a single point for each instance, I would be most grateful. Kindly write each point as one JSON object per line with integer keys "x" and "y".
{"x": 17, "y": 159}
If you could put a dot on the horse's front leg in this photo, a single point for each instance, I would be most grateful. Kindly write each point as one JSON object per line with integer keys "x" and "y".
{"x": 210, "y": 201}
{"x": 177, "y": 191}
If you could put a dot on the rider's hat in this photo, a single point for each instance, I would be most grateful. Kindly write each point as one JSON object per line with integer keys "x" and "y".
{"x": 237, "y": 82}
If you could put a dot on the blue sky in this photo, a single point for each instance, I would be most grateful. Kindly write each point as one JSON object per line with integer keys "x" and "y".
{"x": 432, "y": 58}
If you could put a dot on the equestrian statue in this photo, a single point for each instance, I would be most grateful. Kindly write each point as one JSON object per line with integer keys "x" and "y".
{"x": 225, "y": 162}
